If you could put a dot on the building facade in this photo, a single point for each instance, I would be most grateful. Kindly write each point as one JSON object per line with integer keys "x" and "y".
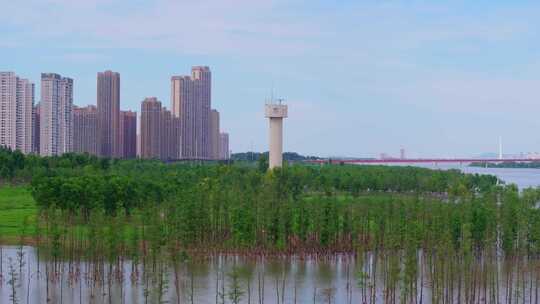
{"x": 25, "y": 116}
{"x": 85, "y": 130}
{"x": 8, "y": 101}
{"x": 66, "y": 115}
{"x": 160, "y": 132}
{"x": 35, "y": 132}
{"x": 151, "y": 128}
{"x": 214, "y": 135}
{"x": 108, "y": 106}
{"x": 202, "y": 78}
{"x": 191, "y": 100}
{"x": 183, "y": 108}
{"x": 224, "y": 146}
{"x": 16, "y": 112}
{"x": 56, "y": 117}
{"x": 128, "y": 134}
{"x": 166, "y": 145}
{"x": 138, "y": 145}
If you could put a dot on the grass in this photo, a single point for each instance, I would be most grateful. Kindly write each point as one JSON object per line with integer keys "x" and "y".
{"x": 16, "y": 204}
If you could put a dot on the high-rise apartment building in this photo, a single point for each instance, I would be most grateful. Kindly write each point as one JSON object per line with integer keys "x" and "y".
{"x": 191, "y": 99}
{"x": 183, "y": 108}
{"x": 176, "y": 138}
{"x": 25, "y": 113}
{"x": 35, "y": 132}
{"x": 85, "y": 130}
{"x": 167, "y": 149}
{"x": 138, "y": 145}
{"x": 108, "y": 106}
{"x": 16, "y": 112}
{"x": 66, "y": 115}
{"x": 128, "y": 134}
{"x": 160, "y": 130}
{"x": 8, "y": 102}
{"x": 56, "y": 117}
{"x": 214, "y": 134}
{"x": 202, "y": 78}
{"x": 151, "y": 128}
{"x": 224, "y": 146}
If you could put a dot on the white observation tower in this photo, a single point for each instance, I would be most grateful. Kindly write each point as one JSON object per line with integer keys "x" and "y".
{"x": 275, "y": 112}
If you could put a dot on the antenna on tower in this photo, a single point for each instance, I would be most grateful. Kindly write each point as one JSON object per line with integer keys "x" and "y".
{"x": 272, "y": 93}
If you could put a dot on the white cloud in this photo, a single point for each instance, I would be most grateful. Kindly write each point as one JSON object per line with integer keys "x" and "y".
{"x": 362, "y": 31}
{"x": 208, "y": 27}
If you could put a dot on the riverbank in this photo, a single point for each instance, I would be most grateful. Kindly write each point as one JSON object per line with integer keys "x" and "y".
{"x": 513, "y": 165}
{"x": 16, "y": 205}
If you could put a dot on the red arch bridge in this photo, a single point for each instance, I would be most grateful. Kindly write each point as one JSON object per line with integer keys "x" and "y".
{"x": 416, "y": 160}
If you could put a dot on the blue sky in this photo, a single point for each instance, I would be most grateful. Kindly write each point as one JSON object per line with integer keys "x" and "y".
{"x": 438, "y": 78}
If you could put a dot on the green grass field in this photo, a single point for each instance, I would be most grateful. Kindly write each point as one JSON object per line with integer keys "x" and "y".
{"x": 16, "y": 204}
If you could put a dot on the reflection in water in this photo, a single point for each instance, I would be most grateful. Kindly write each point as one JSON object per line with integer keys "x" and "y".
{"x": 280, "y": 280}
{"x": 230, "y": 279}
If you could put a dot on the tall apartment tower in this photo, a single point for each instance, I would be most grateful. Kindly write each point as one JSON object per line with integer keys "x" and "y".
{"x": 138, "y": 145}
{"x": 202, "y": 78}
{"x": 66, "y": 115}
{"x": 35, "y": 131}
{"x": 128, "y": 134}
{"x": 150, "y": 128}
{"x": 191, "y": 99}
{"x": 8, "y": 102}
{"x": 25, "y": 115}
{"x": 56, "y": 117}
{"x": 224, "y": 146}
{"x": 176, "y": 137}
{"x": 183, "y": 108}
{"x": 16, "y": 112}
{"x": 214, "y": 134}
{"x": 85, "y": 130}
{"x": 108, "y": 106}
{"x": 167, "y": 148}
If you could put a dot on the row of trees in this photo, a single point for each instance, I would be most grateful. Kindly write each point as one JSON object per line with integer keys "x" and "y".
{"x": 130, "y": 185}
{"x": 255, "y": 156}
{"x": 17, "y": 167}
{"x": 20, "y": 168}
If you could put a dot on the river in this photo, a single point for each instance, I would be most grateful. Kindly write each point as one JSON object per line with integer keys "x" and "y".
{"x": 523, "y": 178}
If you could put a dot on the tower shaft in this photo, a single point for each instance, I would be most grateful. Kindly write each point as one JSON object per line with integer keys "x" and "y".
{"x": 276, "y": 143}
{"x": 275, "y": 114}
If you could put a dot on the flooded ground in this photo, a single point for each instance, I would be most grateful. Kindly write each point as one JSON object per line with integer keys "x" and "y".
{"x": 229, "y": 279}
{"x": 257, "y": 281}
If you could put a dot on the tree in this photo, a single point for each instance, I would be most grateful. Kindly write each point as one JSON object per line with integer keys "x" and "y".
{"x": 235, "y": 293}
{"x": 262, "y": 163}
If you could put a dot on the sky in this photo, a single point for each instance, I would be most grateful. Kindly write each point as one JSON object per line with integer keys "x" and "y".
{"x": 437, "y": 78}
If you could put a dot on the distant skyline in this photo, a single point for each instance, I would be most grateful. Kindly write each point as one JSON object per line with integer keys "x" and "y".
{"x": 360, "y": 77}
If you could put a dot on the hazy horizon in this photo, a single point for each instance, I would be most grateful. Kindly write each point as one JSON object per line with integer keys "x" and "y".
{"x": 438, "y": 79}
